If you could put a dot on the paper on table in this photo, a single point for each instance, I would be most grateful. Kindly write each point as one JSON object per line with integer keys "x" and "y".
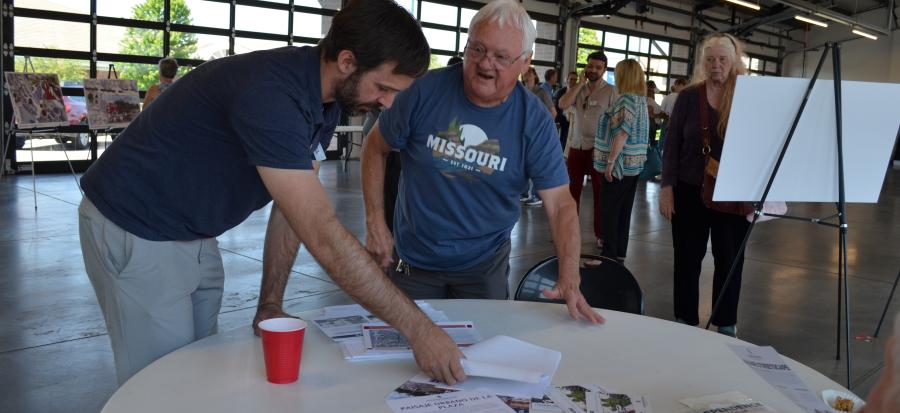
{"x": 457, "y": 402}
{"x": 507, "y": 358}
{"x": 769, "y": 365}
{"x": 517, "y": 356}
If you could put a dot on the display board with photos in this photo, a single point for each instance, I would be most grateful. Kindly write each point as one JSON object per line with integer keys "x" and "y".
{"x": 37, "y": 100}
{"x": 111, "y": 103}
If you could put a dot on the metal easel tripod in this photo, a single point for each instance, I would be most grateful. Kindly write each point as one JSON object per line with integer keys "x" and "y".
{"x": 843, "y": 287}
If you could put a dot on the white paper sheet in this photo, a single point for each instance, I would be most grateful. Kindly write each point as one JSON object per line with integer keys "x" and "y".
{"x": 769, "y": 365}
{"x": 457, "y": 402}
{"x": 761, "y": 116}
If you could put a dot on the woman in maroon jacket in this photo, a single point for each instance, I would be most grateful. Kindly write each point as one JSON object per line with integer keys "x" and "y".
{"x": 693, "y": 146}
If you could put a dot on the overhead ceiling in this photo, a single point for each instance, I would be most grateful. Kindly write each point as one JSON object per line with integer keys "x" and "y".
{"x": 775, "y": 15}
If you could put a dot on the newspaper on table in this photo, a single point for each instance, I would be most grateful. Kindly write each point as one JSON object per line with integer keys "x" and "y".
{"x": 453, "y": 402}
{"x": 421, "y": 388}
{"x": 381, "y": 341}
{"x": 591, "y": 398}
{"x": 344, "y": 322}
{"x": 769, "y": 365}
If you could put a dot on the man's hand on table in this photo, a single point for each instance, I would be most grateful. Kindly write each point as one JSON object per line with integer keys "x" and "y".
{"x": 265, "y": 312}
{"x": 437, "y": 355}
{"x": 578, "y": 306}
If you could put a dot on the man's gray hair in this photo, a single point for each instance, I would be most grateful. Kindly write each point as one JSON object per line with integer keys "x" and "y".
{"x": 507, "y": 13}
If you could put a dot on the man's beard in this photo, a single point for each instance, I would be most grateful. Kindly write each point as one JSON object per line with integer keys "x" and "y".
{"x": 347, "y": 95}
{"x": 593, "y": 77}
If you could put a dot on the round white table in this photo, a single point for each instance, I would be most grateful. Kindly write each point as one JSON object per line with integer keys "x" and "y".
{"x": 663, "y": 360}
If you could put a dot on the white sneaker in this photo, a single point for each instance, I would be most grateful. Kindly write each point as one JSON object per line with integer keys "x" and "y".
{"x": 534, "y": 202}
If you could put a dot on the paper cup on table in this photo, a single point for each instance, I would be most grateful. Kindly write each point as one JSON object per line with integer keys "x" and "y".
{"x": 282, "y": 348}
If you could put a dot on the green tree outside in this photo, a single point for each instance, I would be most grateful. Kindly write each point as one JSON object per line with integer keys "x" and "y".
{"x": 150, "y": 42}
{"x": 587, "y": 36}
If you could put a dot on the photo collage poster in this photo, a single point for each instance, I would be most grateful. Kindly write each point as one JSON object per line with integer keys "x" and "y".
{"x": 111, "y": 103}
{"x": 37, "y": 100}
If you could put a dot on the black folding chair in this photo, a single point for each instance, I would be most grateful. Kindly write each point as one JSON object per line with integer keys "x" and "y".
{"x": 604, "y": 283}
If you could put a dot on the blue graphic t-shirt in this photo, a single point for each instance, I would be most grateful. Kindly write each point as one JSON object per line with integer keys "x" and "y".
{"x": 464, "y": 167}
{"x": 185, "y": 169}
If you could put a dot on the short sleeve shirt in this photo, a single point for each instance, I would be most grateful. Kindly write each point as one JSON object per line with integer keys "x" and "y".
{"x": 185, "y": 169}
{"x": 464, "y": 167}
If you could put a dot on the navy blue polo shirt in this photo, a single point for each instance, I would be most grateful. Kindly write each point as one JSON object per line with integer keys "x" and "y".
{"x": 185, "y": 169}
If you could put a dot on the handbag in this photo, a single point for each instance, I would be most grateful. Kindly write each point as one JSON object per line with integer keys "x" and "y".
{"x": 653, "y": 166}
{"x": 713, "y": 151}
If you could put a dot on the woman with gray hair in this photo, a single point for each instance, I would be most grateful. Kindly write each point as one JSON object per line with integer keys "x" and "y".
{"x": 694, "y": 142}
{"x": 168, "y": 69}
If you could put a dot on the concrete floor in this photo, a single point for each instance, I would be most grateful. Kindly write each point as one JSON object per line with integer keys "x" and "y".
{"x": 55, "y": 356}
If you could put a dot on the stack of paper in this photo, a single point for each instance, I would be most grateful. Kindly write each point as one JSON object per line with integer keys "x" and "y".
{"x": 362, "y": 336}
{"x": 344, "y": 322}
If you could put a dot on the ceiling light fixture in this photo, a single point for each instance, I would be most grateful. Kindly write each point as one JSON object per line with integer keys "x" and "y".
{"x": 864, "y": 34}
{"x": 811, "y": 21}
{"x": 747, "y": 4}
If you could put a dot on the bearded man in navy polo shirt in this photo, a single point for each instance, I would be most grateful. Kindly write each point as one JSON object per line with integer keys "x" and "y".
{"x": 225, "y": 140}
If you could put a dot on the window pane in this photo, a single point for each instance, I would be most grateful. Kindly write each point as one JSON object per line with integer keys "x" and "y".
{"x": 68, "y": 6}
{"x": 546, "y": 30}
{"x": 544, "y": 52}
{"x": 440, "y": 39}
{"x": 146, "y": 75}
{"x": 410, "y": 6}
{"x": 680, "y": 50}
{"x": 68, "y": 70}
{"x": 659, "y": 66}
{"x": 244, "y": 45}
{"x": 321, "y": 4}
{"x": 438, "y": 61}
{"x": 756, "y": 64}
{"x": 638, "y": 44}
{"x": 438, "y": 13}
{"x": 659, "y": 48}
{"x": 616, "y": 41}
{"x": 771, "y": 67}
{"x": 467, "y": 15}
{"x": 209, "y": 14}
{"x": 129, "y": 40}
{"x": 746, "y": 61}
{"x": 613, "y": 59}
{"x": 257, "y": 19}
{"x": 590, "y": 36}
{"x": 679, "y": 68}
{"x": 207, "y": 46}
{"x": 463, "y": 39}
{"x": 130, "y": 9}
{"x": 52, "y": 34}
{"x": 311, "y": 25}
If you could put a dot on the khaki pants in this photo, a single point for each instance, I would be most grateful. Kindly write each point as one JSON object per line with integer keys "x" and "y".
{"x": 155, "y": 296}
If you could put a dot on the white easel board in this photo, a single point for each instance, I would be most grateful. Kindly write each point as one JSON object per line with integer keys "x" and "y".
{"x": 762, "y": 112}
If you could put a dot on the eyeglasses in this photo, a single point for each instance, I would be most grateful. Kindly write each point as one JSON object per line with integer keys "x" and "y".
{"x": 478, "y": 52}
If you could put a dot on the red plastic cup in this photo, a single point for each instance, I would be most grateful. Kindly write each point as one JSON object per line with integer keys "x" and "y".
{"x": 282, "y": 348}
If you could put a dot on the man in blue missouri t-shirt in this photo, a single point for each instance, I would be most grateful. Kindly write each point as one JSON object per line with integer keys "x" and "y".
{"x": 225, "y": 140}
{"x": 470, "y": 138}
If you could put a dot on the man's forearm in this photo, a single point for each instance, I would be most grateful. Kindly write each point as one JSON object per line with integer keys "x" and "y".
{"x": 350, "y": 266}
{"x": 372, "y": 170}
{"x": 568, "y": 98}
{"x": 279, "y": 253}
{"x": 566, "y": 237}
